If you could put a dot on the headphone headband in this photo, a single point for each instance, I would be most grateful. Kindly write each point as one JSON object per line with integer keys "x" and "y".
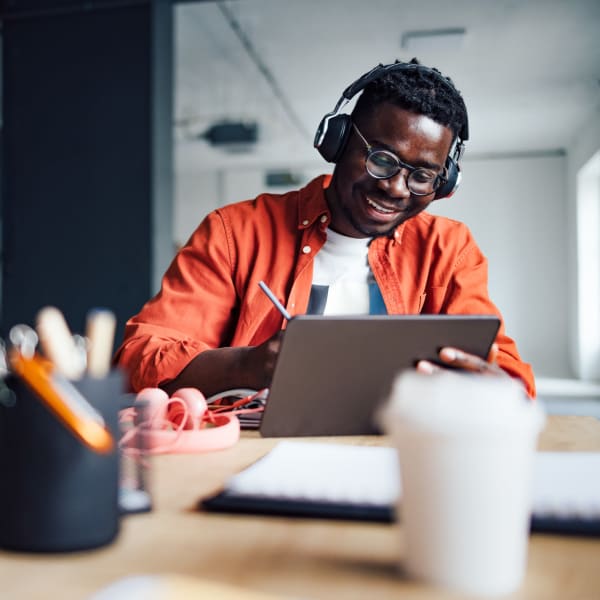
{"x": 381, "y": 70}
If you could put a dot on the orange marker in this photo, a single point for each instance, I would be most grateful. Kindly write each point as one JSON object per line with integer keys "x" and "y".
{"x": 63, "y": 399}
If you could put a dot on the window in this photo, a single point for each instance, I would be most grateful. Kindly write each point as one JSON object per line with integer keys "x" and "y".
{"x": 588, "y": 259}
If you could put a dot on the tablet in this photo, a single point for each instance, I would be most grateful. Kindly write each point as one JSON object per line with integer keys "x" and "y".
{"x": 332, "y": 373}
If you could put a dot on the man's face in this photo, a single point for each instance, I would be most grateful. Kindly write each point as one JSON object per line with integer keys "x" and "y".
{"x": 362, "y": 206}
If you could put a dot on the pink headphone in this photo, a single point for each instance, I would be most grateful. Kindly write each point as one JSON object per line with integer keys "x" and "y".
{"x": 180, "y": 423}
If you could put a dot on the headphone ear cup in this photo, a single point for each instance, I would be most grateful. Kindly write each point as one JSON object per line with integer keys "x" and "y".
{"x": 151, "y": 406}
{"x": 336, "y": 136}
{"x": 175, "y": 424}
{"x": 453, "y": 176}
{"x": 188, "y": 405}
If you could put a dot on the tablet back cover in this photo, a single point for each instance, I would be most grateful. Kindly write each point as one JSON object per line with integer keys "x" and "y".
{"x": 333, "y": 373}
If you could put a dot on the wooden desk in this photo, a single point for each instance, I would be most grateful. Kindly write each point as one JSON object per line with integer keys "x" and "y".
{"x": 299, "y": 558}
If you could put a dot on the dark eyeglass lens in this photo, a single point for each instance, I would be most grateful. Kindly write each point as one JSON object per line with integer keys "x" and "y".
{"x": 382, "y": 164}
{"x": 423, "y": 181}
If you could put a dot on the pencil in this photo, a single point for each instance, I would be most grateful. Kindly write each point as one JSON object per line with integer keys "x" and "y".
{"x": 100, "y": 331}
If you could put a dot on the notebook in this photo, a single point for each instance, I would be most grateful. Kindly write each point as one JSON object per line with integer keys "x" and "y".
{"x": 332, "y": 373}
{"x": 339, "y": 481}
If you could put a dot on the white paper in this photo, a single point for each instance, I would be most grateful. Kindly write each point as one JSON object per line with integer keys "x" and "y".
{"x": 326, "y": 472}
{"x": 566, "y": 484}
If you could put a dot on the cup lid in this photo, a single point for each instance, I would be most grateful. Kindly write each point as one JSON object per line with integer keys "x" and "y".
{"x": 448, "y": 402}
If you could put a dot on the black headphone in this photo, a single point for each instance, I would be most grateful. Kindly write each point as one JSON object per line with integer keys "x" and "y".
{"x": 334, "y": 129}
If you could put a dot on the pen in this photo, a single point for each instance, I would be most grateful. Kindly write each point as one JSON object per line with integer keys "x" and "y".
{"x": 24, "y": 338}
{"x": 57, "y": 342}
{"x": 100, "y": 333}
{"x": 265, "y": 288}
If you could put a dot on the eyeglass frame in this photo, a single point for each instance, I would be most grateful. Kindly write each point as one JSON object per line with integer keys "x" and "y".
{"x": 440, "y": 178}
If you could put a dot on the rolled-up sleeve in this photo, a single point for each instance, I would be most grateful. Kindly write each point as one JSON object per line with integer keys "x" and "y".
{"x": 191, "y": 313}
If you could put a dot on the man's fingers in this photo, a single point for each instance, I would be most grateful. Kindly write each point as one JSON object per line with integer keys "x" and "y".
{"x": 463, "y": 360}
{"x": 470, "y": 362}
{"x": 425, "y": 367}
{"x": 493, "y": 353}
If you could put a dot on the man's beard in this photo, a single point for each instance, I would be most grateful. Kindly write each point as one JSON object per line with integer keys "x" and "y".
{"x": 366, "y": 232}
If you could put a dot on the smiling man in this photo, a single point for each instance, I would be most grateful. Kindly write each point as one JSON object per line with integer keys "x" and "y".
{"x": 355, "y": 242}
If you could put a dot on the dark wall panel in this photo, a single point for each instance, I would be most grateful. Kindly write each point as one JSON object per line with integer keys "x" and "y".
{"x": 77, "y": 214}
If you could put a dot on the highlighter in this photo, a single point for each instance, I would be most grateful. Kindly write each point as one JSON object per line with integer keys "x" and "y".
{"x": 63, "y": 399}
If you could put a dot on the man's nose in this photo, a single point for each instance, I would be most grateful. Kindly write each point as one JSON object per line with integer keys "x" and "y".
{"x": 396, "y": 186}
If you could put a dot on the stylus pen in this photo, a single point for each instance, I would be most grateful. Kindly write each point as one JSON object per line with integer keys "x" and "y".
{"x": 265, "y": 288}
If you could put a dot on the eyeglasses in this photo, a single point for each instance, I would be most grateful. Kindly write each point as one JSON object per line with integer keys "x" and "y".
{"x": 383, "y": 164}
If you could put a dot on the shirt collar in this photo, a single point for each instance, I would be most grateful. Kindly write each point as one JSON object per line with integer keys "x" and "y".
{"x": 313, "y": 206}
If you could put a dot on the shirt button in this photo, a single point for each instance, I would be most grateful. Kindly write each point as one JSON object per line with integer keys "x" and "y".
{"x": 323, "y": 218}
{"x": 306, "y": 249}
{"x": 305, "y": 222}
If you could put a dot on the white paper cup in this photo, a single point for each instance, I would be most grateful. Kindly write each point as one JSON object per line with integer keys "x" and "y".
{"x": 466, "y": 447}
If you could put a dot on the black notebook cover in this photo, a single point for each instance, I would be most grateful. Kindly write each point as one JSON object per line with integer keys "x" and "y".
{"x": 305, "y": 479}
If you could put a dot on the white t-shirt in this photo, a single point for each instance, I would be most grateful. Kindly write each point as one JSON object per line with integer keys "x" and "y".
{"x": 341, "y": 276}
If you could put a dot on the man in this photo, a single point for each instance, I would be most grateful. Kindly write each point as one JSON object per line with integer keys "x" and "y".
{"x": 354, "y": 242}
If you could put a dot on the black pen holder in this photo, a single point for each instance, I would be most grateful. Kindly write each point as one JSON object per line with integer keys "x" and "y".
{"x": 57, "y": 494}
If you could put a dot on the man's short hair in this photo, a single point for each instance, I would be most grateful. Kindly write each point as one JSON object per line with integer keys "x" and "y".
{"x": 419, "y": 91}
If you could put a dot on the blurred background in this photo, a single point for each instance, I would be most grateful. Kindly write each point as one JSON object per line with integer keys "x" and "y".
{"x": 125, "y": 122}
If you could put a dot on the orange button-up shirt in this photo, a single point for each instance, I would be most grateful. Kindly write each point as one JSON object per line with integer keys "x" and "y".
{"x": 210, "y": 296}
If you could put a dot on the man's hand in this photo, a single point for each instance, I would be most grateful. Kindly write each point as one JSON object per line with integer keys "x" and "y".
{"x": 259, "y": 362}
{"x": 220, "y": 369}
{"x": 458, "y": 359}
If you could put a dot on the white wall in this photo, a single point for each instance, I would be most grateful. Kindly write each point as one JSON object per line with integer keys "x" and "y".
{"x": 196, "y": 194}
{"x": 516, "y": 209}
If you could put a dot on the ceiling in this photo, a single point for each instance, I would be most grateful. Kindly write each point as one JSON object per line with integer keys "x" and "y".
{"x": 529, "y": 70}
